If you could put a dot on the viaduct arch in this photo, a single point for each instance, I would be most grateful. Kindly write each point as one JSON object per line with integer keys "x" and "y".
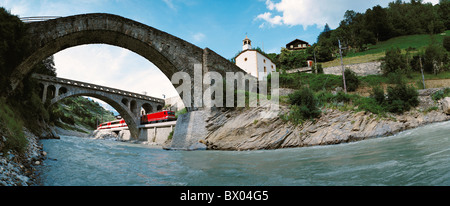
{"x": 128, "y": 104}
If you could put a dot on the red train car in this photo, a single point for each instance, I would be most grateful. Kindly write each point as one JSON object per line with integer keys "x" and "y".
{"x": 158, "y": 117}
{"x": 112, "y": 124}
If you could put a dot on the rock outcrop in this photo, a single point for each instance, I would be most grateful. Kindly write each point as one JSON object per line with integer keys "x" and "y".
{"x": 247, "y": 129}
{"x": 445, "y": 105}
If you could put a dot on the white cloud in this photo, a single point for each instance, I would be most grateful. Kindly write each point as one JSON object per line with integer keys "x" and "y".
{"x": 314, "y": 12}
{"x": 170, "y": 4}
{"x": 276, "y": 20}
{"x": 16, "y": 7}
{"x": 304, "y": 12}
{"x": 434, "y": 2}
{"x": 198, "y": 37}
{"x": 113, "y": 67}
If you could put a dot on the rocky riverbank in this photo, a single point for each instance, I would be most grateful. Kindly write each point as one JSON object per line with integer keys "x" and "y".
{"x": 19, "y": 170}
{"x": 249, "y": 130}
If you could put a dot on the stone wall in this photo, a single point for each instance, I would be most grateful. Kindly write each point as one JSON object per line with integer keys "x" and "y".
{"x": 156, "y": 135}
{"x": 363, "y": 69}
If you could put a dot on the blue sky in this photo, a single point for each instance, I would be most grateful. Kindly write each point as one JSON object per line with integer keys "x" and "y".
{"x": 220, "y": 25}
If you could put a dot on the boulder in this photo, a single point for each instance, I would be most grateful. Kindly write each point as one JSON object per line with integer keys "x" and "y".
{"x": 445, "y": 105}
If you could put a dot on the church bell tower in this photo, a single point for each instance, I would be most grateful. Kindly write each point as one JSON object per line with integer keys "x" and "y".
{"x": 247, "y": 44}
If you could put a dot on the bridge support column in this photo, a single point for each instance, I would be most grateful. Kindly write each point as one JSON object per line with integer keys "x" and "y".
{"x": 44, "y": 93}
{"x": 190, "y": 129}
{"x": 57, "y": 87}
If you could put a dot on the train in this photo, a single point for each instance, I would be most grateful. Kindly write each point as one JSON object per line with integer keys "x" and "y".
{"x": 162, "y": 116}
{"x": 113, "y": 124}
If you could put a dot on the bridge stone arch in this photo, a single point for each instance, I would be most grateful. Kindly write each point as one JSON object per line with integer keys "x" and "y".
{"x": 169, "y": 53}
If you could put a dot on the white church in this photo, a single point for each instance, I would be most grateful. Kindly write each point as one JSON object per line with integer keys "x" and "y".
{"x": 254, "y": 62}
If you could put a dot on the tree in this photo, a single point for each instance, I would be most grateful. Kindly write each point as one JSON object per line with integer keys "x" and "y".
{"x": 444, "y": 12}
{"x": 47, "y": 67}
{"x": 446, "y": 43}
{"x": 326, "y": 28}
{"x": 435, "y": 58}
{"x": 14, "y": 46}
{"x": 324, "y": 51}
{"x": 378, "y": 23}
{"x": 394, "y": 62}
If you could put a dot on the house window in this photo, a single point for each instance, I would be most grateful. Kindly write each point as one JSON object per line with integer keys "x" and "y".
{"x": 245, "y": 59}
{"x": 264, "y": 60}
{"x": 265, "y": 70}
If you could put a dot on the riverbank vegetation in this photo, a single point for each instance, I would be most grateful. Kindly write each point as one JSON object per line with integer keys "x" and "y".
{"x": 70, "y": 113}
{"x": 412, "y": 51}
{"x": 23, "y": 107}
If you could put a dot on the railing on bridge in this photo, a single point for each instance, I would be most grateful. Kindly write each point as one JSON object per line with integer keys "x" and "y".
{"x": 95, "y": 87}
{"x": 32, "y": 19}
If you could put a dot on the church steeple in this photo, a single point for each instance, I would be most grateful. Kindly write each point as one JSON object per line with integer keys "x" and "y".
{"x": 247, "y": 44}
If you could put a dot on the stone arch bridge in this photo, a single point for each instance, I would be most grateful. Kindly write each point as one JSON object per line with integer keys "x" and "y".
{"x": 169, "y": 53}
{"x": 129, "y": 105}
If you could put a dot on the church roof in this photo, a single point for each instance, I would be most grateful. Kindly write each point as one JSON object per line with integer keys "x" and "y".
{"x": 253, "y": 50}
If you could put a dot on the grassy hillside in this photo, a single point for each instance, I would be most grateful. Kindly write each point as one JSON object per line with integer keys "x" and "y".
{"x": 79, "y": 111}
{"x": 376, "y": 52}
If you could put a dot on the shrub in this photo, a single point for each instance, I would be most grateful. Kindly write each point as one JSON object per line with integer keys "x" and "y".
{"x": 441, "y": 94}
{"x": 319, "y": 69}
{"x": 378, "y": 94}
{"x": 401, "y": 98}
{"x": 446, "y": 43}
{"x": 342, "y": 97}
{"x": 394, "y": 61}
{"x": 305, "y": 104}
{"x": 370, "y": 104}
{"x": 351, "y": 80}
{"x": 435, "y": 55}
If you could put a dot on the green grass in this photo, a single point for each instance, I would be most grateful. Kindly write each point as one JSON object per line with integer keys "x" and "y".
{"x": 441, "y": 94}
{"x": 418, "y": 42}
{"x": 11, "y": 129}
{"x": 377, "y": 52}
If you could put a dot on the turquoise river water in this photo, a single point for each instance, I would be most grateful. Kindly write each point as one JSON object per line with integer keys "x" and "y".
{"x": 416, "y": 157}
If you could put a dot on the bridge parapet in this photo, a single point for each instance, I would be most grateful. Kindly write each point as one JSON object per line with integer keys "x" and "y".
{"x": 32, "y": 19}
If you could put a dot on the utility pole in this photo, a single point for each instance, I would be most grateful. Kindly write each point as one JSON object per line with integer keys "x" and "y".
{"x": 315, "y": 63}
{"x": 343, "y": 69}
{"x": 421, "y": 70}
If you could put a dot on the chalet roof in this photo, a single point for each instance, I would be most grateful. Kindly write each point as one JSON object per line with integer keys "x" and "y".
{"x": 297, "y": 41}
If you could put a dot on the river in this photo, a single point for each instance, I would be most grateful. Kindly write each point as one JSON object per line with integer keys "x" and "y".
{"x": 415, "y": 157}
